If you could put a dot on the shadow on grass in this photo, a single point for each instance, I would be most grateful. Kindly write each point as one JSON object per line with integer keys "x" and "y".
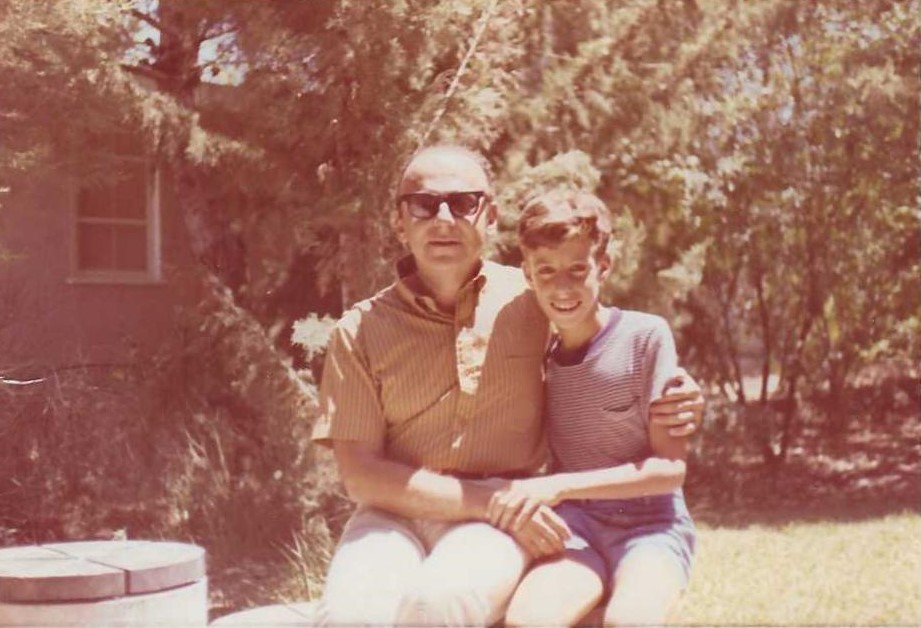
{"x": 867, "y": 472}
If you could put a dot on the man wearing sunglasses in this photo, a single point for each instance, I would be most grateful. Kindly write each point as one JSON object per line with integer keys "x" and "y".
{"x": 431, "y": 393}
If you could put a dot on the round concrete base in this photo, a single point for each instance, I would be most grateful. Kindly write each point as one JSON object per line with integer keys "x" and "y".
{"x": 183, "y": 606}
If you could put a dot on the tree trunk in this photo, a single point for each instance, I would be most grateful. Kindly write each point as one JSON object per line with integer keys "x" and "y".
{"x": 260, "y": 376}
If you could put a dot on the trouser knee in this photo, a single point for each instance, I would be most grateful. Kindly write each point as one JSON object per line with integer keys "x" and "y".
{"x": 441, "y": 606}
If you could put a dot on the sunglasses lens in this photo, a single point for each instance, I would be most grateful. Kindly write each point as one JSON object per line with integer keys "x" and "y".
{"x": 426, "y": 206}
{"x": 463, "y": 204}
{"x": 423, "y": 206}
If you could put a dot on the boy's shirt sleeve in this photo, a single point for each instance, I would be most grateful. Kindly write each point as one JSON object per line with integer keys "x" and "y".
{"x": 660, "y": 363}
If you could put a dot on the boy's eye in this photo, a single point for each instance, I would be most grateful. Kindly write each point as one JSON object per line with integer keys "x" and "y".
{"x": 544, "y": 271}
{"x": 579, "y": 269}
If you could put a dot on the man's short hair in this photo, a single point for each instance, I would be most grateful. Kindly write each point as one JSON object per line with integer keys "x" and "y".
{"x": 556, "y": 216}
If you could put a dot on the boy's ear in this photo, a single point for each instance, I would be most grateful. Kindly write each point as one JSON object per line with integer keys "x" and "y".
{"x": 604, "y": 266}
{"x": 526, "y": 269}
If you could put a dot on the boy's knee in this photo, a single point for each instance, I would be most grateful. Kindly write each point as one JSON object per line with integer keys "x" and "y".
{"x": 623, "y": 611}
{"x": 434, "y": 604}
{"x": 562, "y": 606}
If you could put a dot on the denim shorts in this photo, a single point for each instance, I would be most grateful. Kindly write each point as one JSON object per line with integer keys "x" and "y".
{"x": 605, "y": 531}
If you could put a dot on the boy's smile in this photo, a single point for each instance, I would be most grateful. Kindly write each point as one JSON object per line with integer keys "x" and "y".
{"x": 567, "y": 281}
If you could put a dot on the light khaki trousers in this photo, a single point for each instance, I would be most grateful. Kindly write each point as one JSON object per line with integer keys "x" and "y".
{"x": 388, "y": 570}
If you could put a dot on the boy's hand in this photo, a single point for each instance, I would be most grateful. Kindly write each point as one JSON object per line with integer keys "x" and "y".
{"x": 681, "y": 407}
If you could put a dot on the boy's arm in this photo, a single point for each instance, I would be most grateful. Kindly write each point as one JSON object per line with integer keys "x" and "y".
{"x": 374, "y": 480}
{"x": 665, "y": 445}
{"x": 676, "y": 391}
{"x": 513, "y": 506}
{"x": 680, "y": 407}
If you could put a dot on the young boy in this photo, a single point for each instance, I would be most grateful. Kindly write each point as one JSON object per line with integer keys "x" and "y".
{"x": 616, "y": 478}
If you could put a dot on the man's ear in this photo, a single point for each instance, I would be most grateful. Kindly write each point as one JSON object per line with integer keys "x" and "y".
{"x": 397, "y": 225}
{"x": 492, "y": 212}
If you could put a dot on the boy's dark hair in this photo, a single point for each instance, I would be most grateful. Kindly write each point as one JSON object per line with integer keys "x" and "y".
{"x": 555, "y": 216}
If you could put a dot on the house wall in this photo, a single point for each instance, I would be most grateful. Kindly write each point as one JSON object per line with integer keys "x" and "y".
{"x": 49, "y": 320}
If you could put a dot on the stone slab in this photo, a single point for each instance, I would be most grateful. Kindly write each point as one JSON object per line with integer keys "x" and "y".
{"x": 182, "y": 606}
{"x": 93, "y": 570}
{"x": 149, "y": 566}
{"x": 35, "y": 574}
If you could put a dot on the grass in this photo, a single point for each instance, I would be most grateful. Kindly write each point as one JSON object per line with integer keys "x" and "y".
{"x": 828, "y": 573}
{"x": 832, "y": 536}
{"x": 854, "y": 573}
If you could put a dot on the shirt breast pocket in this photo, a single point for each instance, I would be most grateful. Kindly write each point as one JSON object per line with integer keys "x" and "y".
{"x": 622, "y": 407}
{"x": 625, "y": 430}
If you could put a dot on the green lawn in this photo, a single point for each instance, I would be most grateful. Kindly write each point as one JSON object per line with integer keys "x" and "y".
{"x": 831, "y": 573}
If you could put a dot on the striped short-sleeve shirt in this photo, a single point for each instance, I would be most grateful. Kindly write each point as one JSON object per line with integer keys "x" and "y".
{"x": 459, "y": 392}
{"x": 598, "y": 408}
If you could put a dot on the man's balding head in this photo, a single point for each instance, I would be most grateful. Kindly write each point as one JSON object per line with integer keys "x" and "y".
{"x": 450, "y": 167}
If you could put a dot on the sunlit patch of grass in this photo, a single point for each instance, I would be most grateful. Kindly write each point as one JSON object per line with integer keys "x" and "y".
{"x": 831, "y": 573}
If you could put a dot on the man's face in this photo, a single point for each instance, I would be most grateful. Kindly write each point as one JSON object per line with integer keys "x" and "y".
{"x": 567, "y": 280}
{"x": 444, "y": 242}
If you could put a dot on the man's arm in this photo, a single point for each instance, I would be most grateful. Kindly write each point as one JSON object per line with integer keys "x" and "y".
{"x": 353, "y": 423}
{"x": 680, "y": 409}
{"x": 372, "y": 479}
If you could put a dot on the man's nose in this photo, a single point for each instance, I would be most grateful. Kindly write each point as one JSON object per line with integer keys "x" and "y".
{"x": 444, "y": 212}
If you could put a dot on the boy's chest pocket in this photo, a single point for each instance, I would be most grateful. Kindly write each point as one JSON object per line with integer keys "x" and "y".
{"x": 622, "y": 395}
{"x": 623, "y": 406}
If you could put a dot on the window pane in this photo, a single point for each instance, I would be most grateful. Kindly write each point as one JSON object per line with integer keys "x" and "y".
{"x": 124, "y": 195}
{"x": 129, "y": 192}
{"x": 95, "y": 247}
{"x": 95, "y": 202}
{"x": 131, "y": 248}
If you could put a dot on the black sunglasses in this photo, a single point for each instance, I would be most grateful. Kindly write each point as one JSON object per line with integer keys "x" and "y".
{"x": 423, "y": 205}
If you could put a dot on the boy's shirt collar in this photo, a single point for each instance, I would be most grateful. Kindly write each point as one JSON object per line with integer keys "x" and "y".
{"x": 570, "y": 358}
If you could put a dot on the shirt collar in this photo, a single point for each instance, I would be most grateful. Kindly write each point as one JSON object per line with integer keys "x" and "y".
{"x": 412, "y": 291}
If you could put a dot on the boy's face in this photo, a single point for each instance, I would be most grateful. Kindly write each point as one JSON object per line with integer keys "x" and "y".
{"x": 566, "y": 279}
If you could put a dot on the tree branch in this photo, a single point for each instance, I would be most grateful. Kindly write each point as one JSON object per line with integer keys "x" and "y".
{"x": 146, "y": 71}
{"x": 220, "y": 32}
{"x": 146, "y": 17}
{"x": 455, "y": 82}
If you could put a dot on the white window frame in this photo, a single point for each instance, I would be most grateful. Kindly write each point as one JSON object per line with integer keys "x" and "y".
{"x": 152, "y": 222}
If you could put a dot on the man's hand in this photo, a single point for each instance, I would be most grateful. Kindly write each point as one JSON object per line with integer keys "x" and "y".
{"x": 543, "y": 534}
{"x": 681, "y": 406}
{"x": 522, "y": 509}
{"x": 516, "y": 502}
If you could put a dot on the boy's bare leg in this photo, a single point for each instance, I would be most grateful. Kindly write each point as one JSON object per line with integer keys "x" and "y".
{"x": 557, "y": 593}
{"x": 647, "y": 583}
